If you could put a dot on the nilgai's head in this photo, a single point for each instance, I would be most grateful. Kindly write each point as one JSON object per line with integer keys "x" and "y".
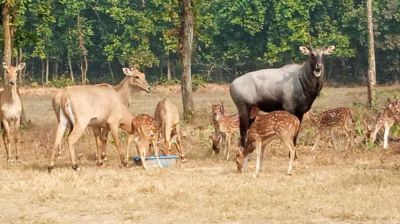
{"x": 12, "y": 72}
{"x": 217, "y": 109}
{"x": 137, "y": 79}
{"x": 216, "y": 142}
{"x": 316, "y": 57}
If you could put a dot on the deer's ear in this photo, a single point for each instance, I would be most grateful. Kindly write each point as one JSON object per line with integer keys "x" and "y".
{"x": 126, "y": 71}
{"x": 5, "y": 66}
{"x": 329, "y": 50}
{"x": 305, "y": 50}
{"x": 21, "y": 66}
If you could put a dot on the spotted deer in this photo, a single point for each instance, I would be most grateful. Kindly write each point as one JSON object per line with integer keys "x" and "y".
{"x": 225, "y": 126}
{"x": 280, "y": 125}
{"x": 334, "y": 118}
{"x": 167, "y": 115}
{"x": 10, "y": 109}
{"x": 145, "y": 132}
{"x": 389, "y": 115}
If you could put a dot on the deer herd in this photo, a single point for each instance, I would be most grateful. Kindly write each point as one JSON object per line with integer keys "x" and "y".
{"x": 104, "y": 108}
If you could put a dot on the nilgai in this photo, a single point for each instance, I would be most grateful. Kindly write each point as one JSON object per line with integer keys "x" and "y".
{"x": 225, "y": 126}
{"x": 389, "y": 115}
{"x": 101, "y": 107}
{"x": 266, "y": 128}
{"x": 341, "y": 117}
{"x": 167, "y": 115}
{"x": 292, "y": 88}
{"x": 145, "y": 132}
{"x": 11, "y": 107}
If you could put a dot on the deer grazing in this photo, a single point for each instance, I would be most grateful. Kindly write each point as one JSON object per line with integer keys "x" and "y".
{"x": 292, "y": 88}
{"x": 328, "y": 120}
{"x": 167, "y": 115}
{"x": 11, "y": 107}
{"x": 389, "y": 115}
{"x": 102, "y": 107}
{"x": 145, "y": 132}
{"x": 266, "y": 128}
{"x": 225, "y": 126}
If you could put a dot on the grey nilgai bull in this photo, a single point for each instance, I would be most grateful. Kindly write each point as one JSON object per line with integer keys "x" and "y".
{"x": 292, "y": 88}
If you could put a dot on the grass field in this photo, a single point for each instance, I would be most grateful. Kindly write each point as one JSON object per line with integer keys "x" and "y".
{"x": 361, "y": 185}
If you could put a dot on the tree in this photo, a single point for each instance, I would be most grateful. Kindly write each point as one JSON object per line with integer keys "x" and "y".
{"x": 371, "y": 55}
{"x": 186, "y": 41}
{"x": 6, "y": 19}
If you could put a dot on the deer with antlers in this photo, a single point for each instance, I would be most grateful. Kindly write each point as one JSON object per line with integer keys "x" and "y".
{"x": 167, "y": 115}
{"x": 10, "y": 109}
{"x": 387, "y": 117}
{"x": 334, "y": 118}
{"x": 225, "y": 126}
{"x": 102, "y": 107}
{"x": 266, "y": 128}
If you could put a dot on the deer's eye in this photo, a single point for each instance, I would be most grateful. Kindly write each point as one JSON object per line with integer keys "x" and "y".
{"x": 136, "y": 77}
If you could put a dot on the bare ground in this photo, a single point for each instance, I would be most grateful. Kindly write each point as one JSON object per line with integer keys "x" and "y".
{"x": 361, "y": 185}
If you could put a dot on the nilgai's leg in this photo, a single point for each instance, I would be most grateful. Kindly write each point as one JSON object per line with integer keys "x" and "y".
{"x": 114, "y": 132}
{"x": 386, "y": 135}
{"x": 97, "y": 136}
{"x": 6, "y": 139}
{"x": 259, "y": 151}
{"x": 179, "y": 144}
{"x": 244, "y": 116}
{"x": 130, "y": 139}
{"x": 167, "y": 137}
{"x": 292, "y": 152}
{"x": 57, "y": 141}
{"x": 16, "y": 137}
{"x": 104, "y": 137}
{"x": 73, "y": 137}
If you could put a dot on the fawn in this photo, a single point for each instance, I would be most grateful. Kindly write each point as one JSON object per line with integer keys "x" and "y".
{"x": 225, "y": 127}
{"x": 339, "y": 117}
{"x": 266, "y": 128}
{"x": 389, "y": 115}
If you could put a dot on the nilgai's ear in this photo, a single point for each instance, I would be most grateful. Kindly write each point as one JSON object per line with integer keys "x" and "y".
{"x": 305, "y": 50}
{"x": 21, "y": 66}
{"x": 5, "y": 66}
{"x": 126, "y": 71}
{"x": 329, "y": 50}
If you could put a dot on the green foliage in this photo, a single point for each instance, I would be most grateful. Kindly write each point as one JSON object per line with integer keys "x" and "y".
{"x": 164, "y": 81}
{"x": 61, "y": 81}
{"x": 198, "y": 81}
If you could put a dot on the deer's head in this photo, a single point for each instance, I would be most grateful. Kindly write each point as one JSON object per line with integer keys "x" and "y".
{"x": 218, "y": 109}
{"x": 316, "y": 57}
{"x": 12, "y": 72}
{"x": 137, "y": 79}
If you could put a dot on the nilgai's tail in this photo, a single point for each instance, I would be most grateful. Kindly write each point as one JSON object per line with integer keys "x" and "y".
{"x": 66, "y": 111}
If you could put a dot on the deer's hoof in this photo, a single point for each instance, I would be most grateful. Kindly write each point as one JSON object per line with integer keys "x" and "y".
{"x": 99, "y": 163}
{"x": 125, "y": 163}
{"x": 76, "y": 167}
{"x": 50, "y": 168}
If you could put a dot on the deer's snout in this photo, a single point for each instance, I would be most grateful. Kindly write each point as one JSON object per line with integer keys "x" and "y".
{"x": 12, "y": 82}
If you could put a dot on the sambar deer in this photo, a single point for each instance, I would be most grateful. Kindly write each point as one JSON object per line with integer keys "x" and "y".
{"x": 102, "y": 107}
{"x": 167, "y": 115}
{"x": 292, "y": 88}
{"x": 266, "y": 128}
{"x": 145, "y": 132}
{"x": 225, "y": 126}
{"x": 387, "y": 117}
{"x": 10, "y": 109}
{"x": 341, "y": 117}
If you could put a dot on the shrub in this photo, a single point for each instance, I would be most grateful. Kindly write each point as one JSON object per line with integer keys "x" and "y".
{"x": 61, "y": 81}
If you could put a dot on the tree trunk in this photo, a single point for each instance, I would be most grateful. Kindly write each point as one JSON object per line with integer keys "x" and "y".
{"x": 371, "y": 55}
{"x": 47, "y": 71}
{"x": 6, "y": 35}
{"x": 21, "y": 73}
{"x": 84, "y": 62}
{"x": 169, "y": 75}
{"x": 55, "y": 75}
{"x": 186, "y": 39}
{"x": 42, "y": 72}
{"x": 71, "y": 71}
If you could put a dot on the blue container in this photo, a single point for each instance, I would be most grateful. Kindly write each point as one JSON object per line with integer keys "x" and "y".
{"x": 151, "y": 161}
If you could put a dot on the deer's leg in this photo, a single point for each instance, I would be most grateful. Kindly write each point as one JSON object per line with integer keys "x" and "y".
{"x": 141, "y": 148}
{"x": 316, "y": 141}
{"x": 155, "y": 148}
{"x": 228, "y": 145}
{"x": 114, "y": 132}
{"x": 16, "y": 137}
{"x": 333, "y": 139}
{"x": 130, "y": 139}
{"x": 292, "y": 153}
{"x": 244, "y": 116}
{"x": 179, "y": 144}
{"x": 62, "y": 125}
{"x": 258, "y": 146}
{"x": 386, "y": 135}
{"x": 6, "y": 139}
{"x": 73, "y": 137}
{"x": 374, "y": 133}
{"x": 97, "y": 136}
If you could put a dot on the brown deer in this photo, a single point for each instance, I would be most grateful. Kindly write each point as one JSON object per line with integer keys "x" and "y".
{"x": 145, "y": 131}
{"x": 11, "y": 107}
{"x": 225, "y": 126}
{"x": 167, "y": 115}
{"x": 389, "y": 115}
{"x": 328, "y": 120}
{"x": 266, "y": 128}
{"x": 102, "y": 107}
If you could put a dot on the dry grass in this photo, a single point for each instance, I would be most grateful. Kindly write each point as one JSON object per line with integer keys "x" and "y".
{"x": 327, "y": 186}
